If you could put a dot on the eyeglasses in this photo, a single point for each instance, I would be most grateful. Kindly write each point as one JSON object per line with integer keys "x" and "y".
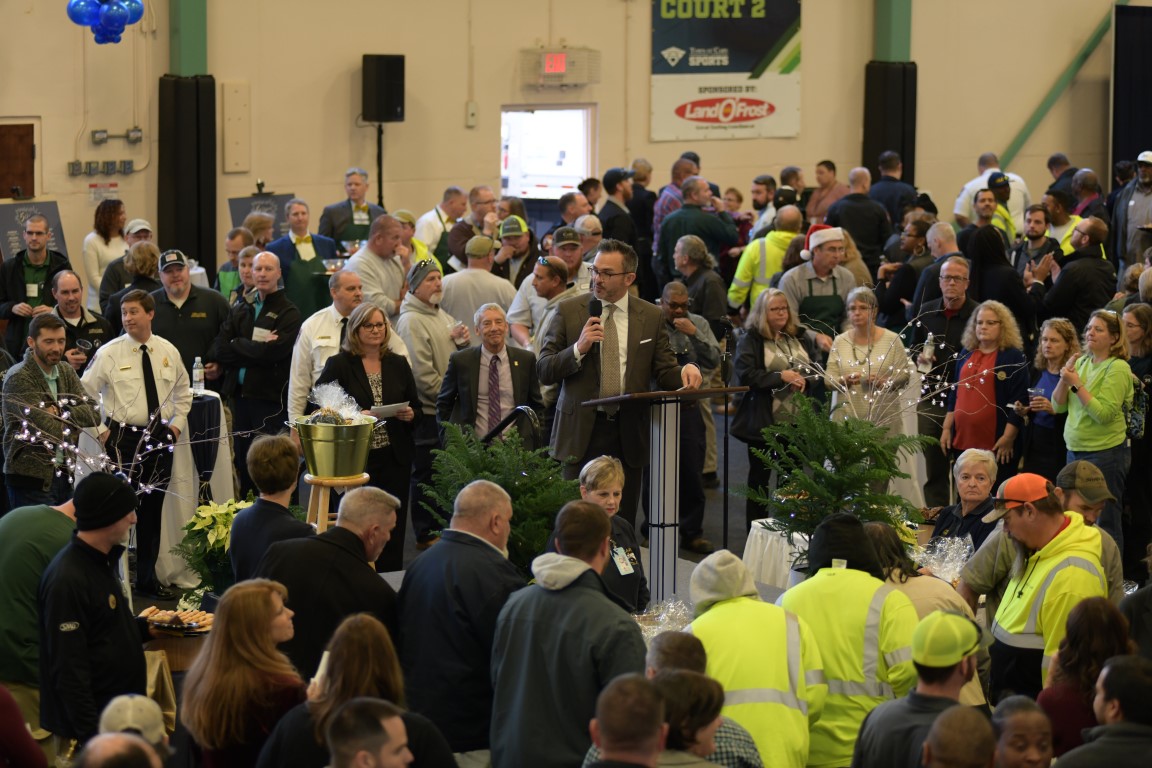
{"x": 953, "y": 279}
{"x": 605, "y": 273}
{"x": 373, "y": 326}
{"x": 678, "y": 304}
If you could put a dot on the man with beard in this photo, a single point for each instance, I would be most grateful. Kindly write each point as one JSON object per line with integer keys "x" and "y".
{"x": 1081, "y": 488}
{"x": 1083, "y": 282}
{"x": 614, "y": 218}
{"x": 80, "y": 323}
{"x": 1035, "y": 244}
{"x": 1057, "y": 565}
{"x": 984, "y": 206}
{"x": 44, "y": 404}
{"x": 432, "y": 336}
{"x": 527, "y": 314}
{"x": 763, "y": 193}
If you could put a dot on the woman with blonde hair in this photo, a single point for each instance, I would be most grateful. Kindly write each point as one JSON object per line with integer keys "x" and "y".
{"x": 1095, "y": 390}
{"x": 373, "y": 375}
{"x": 262, "y": 226}
{"x": 991, "y": 375}
{"x": 854, "y": 262}
{"x": 774, "y": 358}
{"x": 1044, "y": 451}
{"x": 362, "y": 661}
{"x": 240, "y": 685}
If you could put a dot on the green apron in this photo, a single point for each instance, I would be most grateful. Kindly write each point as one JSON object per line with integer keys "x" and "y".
{"x": 822, "y": 314}
{"x": 306, "y": 285}
{"x": 354, "y": 231}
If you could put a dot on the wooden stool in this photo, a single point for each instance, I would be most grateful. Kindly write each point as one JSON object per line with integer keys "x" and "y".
{"x": 321, "y": 494}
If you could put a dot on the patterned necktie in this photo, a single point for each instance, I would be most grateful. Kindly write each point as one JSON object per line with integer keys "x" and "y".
{"x": 610, "y": 356}
{"x": 150, "y": 395}
{"x": 493, "y": 393}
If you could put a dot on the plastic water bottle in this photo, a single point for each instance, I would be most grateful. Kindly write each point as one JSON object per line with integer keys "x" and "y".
{"x": 927, "y": 351}
{"x": 198, "y": 377}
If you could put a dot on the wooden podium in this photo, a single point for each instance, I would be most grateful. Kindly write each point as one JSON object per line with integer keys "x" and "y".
{"x": 663, "y": 476}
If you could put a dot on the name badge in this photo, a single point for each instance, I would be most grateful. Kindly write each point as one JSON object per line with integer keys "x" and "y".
{"x": 623, "y": 564}
{"x": 32, "y": 290}
{"x": 261, "y": 334}
{"x": 199, "y": 314}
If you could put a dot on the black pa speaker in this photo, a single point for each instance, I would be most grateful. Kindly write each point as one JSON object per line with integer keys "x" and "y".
{"x": 890, "y": 114}
{"x": 383, "y": 93}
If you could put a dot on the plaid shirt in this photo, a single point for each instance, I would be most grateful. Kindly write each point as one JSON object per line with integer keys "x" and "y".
{"x": 670, "y": 200}
{"x": 734, "y": 748}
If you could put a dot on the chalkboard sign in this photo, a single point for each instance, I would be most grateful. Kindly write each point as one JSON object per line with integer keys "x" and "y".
{"x": 12, "y": 218}
{"x": 240, "y": 207}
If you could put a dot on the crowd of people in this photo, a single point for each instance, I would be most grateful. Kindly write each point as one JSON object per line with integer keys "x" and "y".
{"x": 1013, "y": 339}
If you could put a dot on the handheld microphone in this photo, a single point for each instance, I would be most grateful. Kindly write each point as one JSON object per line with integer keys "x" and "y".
{"x": 595, "y": 309}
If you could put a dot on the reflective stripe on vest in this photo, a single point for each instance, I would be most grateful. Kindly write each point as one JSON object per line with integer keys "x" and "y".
{"x": 871, "y": 685}
{"x": 763, "y": 278}
{"x": 1029, "y": 638}
{"x": 791, "y": 697}
{"x": 1038, "y": 600}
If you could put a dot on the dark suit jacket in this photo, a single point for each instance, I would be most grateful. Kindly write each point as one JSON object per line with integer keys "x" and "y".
{"x": 618, "y": 223}
{"x": 285, "y": 248}
{"x": 339, "y": 215}
{"x": 461, "y": 388}
{"x": 328, "y": 579}
{"x": 257, "y": 528}
{"x": 398, "y": 385}
{"x": 650, "y": 358}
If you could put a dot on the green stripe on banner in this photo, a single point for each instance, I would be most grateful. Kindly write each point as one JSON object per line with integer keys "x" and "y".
{"x": 784, "y": 41}
{"x": 792, "y": 63}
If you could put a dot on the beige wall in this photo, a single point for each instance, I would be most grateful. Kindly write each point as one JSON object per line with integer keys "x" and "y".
{"x": 984, "y": 65}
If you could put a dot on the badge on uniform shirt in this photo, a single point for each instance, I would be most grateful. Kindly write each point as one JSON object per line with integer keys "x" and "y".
{"x": 199, "y": 314}
{"x": 165, "y": 362}
{"x": 70, "y": 626}
{"x": 1001, "y": 375}
{"x": 112, "y": 601}
{"x": 623, "y": 564}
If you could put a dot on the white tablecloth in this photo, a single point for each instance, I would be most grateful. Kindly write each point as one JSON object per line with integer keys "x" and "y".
{"x": 180, "y": 498}
{"x": 199, "y": 277}
{"x": 768, "y": 556}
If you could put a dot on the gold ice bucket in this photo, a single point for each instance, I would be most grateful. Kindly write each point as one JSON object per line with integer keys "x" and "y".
{"x": 332, "y": 450}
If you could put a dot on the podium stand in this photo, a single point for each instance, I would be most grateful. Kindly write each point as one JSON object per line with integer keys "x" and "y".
{"x": 663, "y": 477}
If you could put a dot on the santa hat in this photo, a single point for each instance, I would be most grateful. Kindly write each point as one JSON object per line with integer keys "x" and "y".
{"x": 818, "y": 234}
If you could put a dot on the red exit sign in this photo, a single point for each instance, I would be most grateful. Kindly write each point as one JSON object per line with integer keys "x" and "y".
{"x": 555, "y": 63}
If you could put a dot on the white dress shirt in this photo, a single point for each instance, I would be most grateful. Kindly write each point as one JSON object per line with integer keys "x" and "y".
{"x": 116, "y": 376}
{"x": 319, "y": 339}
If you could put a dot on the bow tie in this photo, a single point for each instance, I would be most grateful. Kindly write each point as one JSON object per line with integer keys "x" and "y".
{"x": 306, "y": 240}
{"x": 363, "y": 208}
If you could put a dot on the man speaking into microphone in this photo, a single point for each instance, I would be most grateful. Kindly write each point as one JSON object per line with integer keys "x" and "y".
{"x": 610, "y": 344}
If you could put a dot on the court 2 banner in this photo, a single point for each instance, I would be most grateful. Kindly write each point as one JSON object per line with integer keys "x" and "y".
{"x": 725, "y": 69}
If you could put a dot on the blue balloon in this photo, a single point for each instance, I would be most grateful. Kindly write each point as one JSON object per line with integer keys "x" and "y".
{"x": 100, "y": 36}
{"x": 135, "y": 10}
{"x": 113, "y": 15}
{"x": 84, "y": 12}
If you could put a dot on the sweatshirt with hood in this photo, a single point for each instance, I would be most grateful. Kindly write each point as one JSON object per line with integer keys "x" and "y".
{"x": 558, "y": 643}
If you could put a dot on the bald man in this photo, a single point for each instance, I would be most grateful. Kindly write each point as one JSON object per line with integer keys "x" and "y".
{"x": 864, "y": 218}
